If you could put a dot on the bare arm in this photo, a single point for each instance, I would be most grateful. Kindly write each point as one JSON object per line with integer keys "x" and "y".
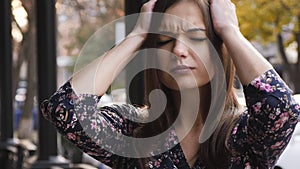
{"x": 248, "y": 61}
{"x": 96, "y": 77}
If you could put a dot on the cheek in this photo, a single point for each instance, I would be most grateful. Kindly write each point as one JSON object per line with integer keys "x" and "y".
{"x": 204, "y": 62}
{"x": 205, "y": 69}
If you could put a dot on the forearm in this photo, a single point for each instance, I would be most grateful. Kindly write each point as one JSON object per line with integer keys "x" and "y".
{"x": 96, "y": 77}
{"x": 79, "y": 120}
{"x": 248, "y": 61}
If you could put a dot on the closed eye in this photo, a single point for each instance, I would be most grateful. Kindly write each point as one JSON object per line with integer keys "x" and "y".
{"x": 164, "y": 42}
{"x": 198, "y": 39}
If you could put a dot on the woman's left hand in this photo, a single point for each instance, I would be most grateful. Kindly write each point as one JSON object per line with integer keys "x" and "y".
{"x": 223, "y": 13}
{"x": 143, "y": 23}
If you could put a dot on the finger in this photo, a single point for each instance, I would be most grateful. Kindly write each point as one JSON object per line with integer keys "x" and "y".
{"x": 223, "y": 2}
{"x": 148, "y": 6}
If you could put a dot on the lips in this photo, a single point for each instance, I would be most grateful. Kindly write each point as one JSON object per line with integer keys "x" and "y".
{"x": 182, "y": 69}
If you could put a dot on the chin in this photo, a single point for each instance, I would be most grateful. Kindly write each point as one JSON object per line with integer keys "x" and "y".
{"x": 185, "y": 85}
{"x": 183, "y": 82}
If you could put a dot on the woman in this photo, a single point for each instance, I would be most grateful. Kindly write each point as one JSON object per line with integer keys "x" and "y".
{"x": 252, "y": 139}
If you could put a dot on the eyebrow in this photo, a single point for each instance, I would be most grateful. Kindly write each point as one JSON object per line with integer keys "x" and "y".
{"x": 187, "y": 31}
{"x": 195, "y": 29}
{"x": 166, "y": 33}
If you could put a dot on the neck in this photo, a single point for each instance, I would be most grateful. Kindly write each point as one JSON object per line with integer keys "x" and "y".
{"x": 192, "y": 105}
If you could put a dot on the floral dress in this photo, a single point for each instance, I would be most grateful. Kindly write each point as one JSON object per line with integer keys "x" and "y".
{"x": 258, "y": 138}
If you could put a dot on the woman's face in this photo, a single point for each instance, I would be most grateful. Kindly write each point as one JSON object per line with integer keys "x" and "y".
{"x": 185, "y": 52}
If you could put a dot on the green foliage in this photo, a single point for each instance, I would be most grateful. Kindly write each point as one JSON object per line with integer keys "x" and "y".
{"x": 264, "y": 19}
{"x": 91, "y": 15}
{"x": 95, "y": 44}
{"x": 87, "y": 41}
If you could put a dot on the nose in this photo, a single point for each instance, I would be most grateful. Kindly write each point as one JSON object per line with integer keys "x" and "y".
{"x": 180, "y": 49}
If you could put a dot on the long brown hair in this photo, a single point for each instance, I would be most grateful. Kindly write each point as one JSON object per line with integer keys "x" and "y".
{"x": 213, "y": 152}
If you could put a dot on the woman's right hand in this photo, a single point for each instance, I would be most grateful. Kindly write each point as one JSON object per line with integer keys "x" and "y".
{"x": 224, "y": 17}
{"x": 143, "y": 23}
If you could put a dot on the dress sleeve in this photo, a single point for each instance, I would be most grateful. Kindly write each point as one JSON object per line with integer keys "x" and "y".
{"x": 95, "y": 130}
{"x": 264, "y": 130}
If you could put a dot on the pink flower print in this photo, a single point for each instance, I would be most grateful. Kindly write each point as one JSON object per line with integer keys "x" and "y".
{"x": 277, "y": 144}
{"x": 73, "y": 96}
{"x": 74, "y": 118}
{"x": 235, "y": 130}
{"x": 113, "y": 129}
{"x": 80, "y": 97}
{"x": 272, "y": 116}
{"x": 58, "y": 108}
{"x": 150, "y": 164}
{"x": 280, "y": 122}
{"x": 157, "y": 164}
{"x": 247, "y": 166}
{"x": 288, "y": 132}
{"x": 82, "y": 116}
{"x": 277, "y": 125}
{"x": 297, "y": 107}
{"x": 71, "y": 136}
{"x": 92, "y": 153}
{"x": 93, "y": 125}
{"x": 256, "y": 83}
{"x": 284, "y": 116}
{"x": 103, "y": 122}
{"x": 266, "y": 87}
{"x": 257, "y": 107}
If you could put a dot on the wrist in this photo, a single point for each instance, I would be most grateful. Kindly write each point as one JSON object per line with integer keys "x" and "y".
{"x": 134, "y": 40}
{"x": 226, "y": 34}
{"x": 138, "y": 35}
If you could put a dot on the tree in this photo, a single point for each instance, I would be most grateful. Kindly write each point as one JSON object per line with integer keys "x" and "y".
{"x": 92, "y": 15}
{"x": 25, "y": 51}
{"x": 271, "y": 21}
{"x": 89, "y": 15}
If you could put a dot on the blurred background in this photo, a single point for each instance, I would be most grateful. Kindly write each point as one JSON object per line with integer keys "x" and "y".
{"x": 40, "y": 42}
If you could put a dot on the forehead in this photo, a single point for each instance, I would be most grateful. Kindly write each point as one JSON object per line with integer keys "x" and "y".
{"x": 182, "y": 16}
